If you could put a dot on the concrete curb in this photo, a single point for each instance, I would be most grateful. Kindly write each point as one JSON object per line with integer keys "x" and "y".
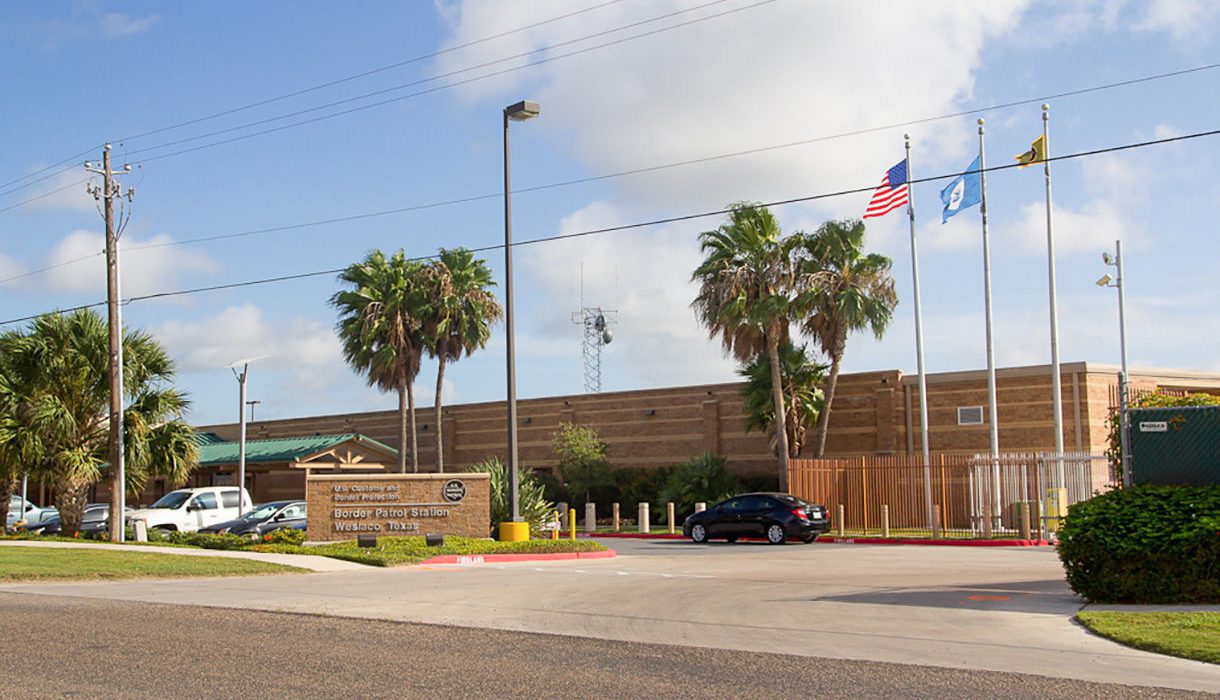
{"x": 474, "y": 559}
{"x": 309, "y": 562}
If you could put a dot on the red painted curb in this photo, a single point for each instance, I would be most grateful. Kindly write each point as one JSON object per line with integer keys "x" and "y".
{"x": 469, "y": 559}
{"x": 847, "y": 540}
{"x": 935, "y": 543}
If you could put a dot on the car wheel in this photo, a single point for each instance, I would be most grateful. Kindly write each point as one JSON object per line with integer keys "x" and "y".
{"x": 776, "y": 534}
{"x": 698, "y": 534}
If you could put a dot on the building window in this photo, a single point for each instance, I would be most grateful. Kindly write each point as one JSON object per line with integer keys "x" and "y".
{"x": 969, "y": 415}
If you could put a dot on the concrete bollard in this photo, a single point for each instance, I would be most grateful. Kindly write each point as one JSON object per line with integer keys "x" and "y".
{"x": 141, "y": 528}
{"x": 562, "y": 508}
{"x": 885, "y": 521}
{"x": 643, "y": 517}
{"x": 572, "y": 524}
{"x": 669, "y": 515}
{"x": 700, "y": 507}
{"x": 614, "y": 516}
{"x": 839, "y": 520}
{"x": 1025, "y": 525}
{"x": 590, "y": 517}
{"x": 936, "y": 522}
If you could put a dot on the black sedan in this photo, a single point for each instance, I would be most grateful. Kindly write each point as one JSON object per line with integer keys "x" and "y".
{"x": 263, "y": 519}
{"x": 95, "y": 519}
{"x": 777, "y": 517}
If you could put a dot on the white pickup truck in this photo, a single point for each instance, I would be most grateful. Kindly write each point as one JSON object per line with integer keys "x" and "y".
{"x": 188, "y": 510}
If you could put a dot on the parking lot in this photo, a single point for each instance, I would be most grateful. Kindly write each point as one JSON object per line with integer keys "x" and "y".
{"x": 1000, "y": 609}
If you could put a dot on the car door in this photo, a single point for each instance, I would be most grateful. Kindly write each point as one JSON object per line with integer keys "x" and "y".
{"x": 757, "y": 512}
{"x": 206, "y": 510}
{"x": 287, "y": 516}
{"x": 725, "y": 519}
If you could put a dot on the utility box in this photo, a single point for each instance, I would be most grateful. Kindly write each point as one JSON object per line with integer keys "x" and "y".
{"x": 1177, "y": 446}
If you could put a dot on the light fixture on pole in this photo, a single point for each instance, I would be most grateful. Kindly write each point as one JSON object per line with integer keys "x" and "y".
{"x": 515, "y": 529}
{"x": 1124, "y": 427}
{"x": 241, "y": 417}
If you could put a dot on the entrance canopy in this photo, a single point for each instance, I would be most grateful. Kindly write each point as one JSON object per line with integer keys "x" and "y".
{"x": 337, "y": 453}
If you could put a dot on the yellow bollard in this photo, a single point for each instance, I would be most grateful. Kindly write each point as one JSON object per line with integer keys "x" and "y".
{"x": 840, "y": 519}
{"x": 572, "y": 523}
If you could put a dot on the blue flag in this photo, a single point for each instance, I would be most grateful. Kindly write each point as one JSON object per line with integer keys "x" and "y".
{"x": 962, "y": 193}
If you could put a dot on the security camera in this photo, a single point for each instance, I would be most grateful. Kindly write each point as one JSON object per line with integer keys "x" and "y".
{"x": 1107, "y": 258}
{"x": 1104, "y": 281}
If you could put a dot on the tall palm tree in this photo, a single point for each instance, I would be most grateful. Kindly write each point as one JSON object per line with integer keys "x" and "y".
{"x": 802, "y": 381}
{"x": 12, "y": 452}
{"x": 459, "y": 318}
{"x": 380, "y": 328}
{"x": 748, "y": 296}
{"x": 61, "y": 365}
{"x": 854, "y": 292}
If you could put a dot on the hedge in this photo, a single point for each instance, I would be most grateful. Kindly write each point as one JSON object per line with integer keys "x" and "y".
{"x": 1148, "y": 544}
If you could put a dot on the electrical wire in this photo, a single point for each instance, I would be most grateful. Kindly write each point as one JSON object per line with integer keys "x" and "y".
{"x": 641, "y": 224}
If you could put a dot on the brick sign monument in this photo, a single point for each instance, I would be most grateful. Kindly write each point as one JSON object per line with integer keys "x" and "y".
{"x": 341, "y": 506}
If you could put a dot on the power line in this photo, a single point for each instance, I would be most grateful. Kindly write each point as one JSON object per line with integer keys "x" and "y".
{"x": 48, "y": 193}
{"x": 642, "y": 224}
{"x": 439, "y": 88}
{"x": 404, "y": 86}
{"x": 302, "y": 91}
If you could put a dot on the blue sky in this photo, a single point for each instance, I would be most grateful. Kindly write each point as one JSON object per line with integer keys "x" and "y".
{"x": 762, "y": 74}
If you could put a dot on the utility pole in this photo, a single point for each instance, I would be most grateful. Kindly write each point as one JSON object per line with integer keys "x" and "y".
{"x": 106, "y": 194}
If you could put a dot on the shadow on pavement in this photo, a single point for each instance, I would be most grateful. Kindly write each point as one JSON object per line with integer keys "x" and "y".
{"x": 1045, "y": 596}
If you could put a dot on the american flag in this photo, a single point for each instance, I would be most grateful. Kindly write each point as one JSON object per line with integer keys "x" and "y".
{"x": 891, "y": 194}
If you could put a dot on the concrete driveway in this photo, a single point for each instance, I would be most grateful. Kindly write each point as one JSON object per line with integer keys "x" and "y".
{"x": 1000, "y": 609}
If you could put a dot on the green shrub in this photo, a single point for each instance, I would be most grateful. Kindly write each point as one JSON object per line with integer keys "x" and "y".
{"x": 583, "y": 466}
{"x": 704, "y": 478}
{"x": 535, "y": 509}
{"x": 285, "y": 536}
{"x": 208, "y": 541}
{"x": 1148, "y": 544}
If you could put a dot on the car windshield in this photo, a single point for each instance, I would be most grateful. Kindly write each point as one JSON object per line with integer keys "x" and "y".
{"x": 172, "y": 500}
{"x": 260, "y": 513}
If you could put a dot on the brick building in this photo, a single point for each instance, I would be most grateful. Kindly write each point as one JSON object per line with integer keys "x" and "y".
{"x": 875, "y": 413}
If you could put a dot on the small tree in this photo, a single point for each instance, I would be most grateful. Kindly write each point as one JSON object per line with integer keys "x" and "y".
{"x": 535, "y": 508}
{"x": 705, "y": 478}
{"x": 582, "y": 463}
{"x": 803, "y": 398}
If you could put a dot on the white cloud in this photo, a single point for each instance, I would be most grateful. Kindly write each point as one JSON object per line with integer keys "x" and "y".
{"x": 63, "y": 191}
{"x": 812, "y": 70}
{"x": 117, "y": 24}
{"x": 644, "y": 275}
{"x": 10, "y": 268}
{"x": 1184, "y": 19}
{"x": 1091, "y": 228}
{"x": 145, "y": 265}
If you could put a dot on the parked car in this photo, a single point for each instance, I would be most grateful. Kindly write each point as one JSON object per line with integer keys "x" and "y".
{"x": 189, "y": 510}
{"x": 777, "y": 517}
{"x": 30, "y": 514}
{"x": 264, "y": 519}
{"x": 95, "y": 519}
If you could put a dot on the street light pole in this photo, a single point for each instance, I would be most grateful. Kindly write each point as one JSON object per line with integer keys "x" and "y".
{"x": 241, "y": 419}
{"x": 517, "y": 112}
{"x": 1124, "y": 426}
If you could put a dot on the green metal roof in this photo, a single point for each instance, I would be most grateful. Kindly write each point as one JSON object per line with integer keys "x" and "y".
{"x": 213, "y": 453}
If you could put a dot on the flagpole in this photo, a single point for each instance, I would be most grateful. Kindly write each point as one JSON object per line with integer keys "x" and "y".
{"x": 991, "y": 392}
{"x": 923, "y": 383}
{"x": 1056, "y": 380}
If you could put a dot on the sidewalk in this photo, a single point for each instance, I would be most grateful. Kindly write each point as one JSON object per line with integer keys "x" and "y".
{"x": 303, "y": 561}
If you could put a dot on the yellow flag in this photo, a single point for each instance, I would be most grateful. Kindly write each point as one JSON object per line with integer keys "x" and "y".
{"x": 1035, "y": 154}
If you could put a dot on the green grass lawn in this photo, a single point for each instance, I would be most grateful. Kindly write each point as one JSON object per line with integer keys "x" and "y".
{"x": 396, "y": 551}
{"x": 1191, "y": 635}
{"x": 51, "y": 564}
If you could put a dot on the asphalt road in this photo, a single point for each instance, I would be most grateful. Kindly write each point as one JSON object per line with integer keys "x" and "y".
{"x": 73, "y": 647}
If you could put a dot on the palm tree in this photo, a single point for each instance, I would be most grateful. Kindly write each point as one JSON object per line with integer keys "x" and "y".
{"x": 747, "y": 295}
{"x": 381, "y": 330}
{"x": 11, "y": 435}
{"x": 802, "y": 382}
{"x": 459, "y": 318}
{"x": 61, "y": 368}
{"x": 854, "y": 291}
